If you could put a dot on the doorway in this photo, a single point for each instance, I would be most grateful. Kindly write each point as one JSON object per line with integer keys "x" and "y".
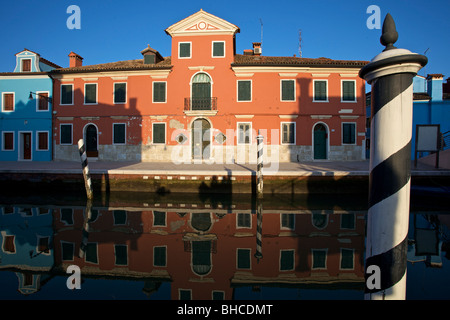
{"x": 25, "y": 146}
{"x": 201, "y": 92}
{"x": 320, "y": 142}
{"x": 201, "y": 139}
{"x": 91, "y": 141}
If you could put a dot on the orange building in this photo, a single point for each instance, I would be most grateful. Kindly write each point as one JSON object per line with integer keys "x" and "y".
{"x": 207, "y": 103}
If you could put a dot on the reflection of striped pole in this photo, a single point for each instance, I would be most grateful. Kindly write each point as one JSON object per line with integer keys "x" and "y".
{"x": 258, "y": 254}
{"x": 86, "y": 174}
{"x": 85, "y": 231}
{"x": 259, "y": 168}
{"x": 390, "y": 73}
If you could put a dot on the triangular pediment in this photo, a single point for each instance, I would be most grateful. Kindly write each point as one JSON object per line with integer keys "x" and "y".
{"x": 202, "y": 22}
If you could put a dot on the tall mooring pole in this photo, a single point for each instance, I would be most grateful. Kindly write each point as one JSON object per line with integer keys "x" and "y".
{"x": 259, "y": 165}
{"x": 390, "y": 74}
{"x": 85, "y": 166}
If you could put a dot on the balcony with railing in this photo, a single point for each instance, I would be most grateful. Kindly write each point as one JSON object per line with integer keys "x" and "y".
{"x": 195, "y": 106}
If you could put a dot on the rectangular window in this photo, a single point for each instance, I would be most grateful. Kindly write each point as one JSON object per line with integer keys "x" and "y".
{"x": 65, "y": 135}
{"x": 347, "y": 259}
{"x": 26, "y": 65}
{"x": 119, "y": 133}
{"x": 244, "y": 220}
{"x": 42, "y": 101}
{"x": 160, "y": 256}
{"x": 244, "y": 133}
{"x": 348, "y": 133}
{"x": 320, "y": 90}
{"x": 9, "y": 244}
{"x": 66, "y": 94}
{"x": 348, "y": 91}
{"x": 119, "y": 217}
{"x": 184, "y": 50}
{"x": 244, "y": 90}
{"x": 218, "y": 48}
{"x": 42, "y": 140}
{"x": 159, "y": 133}
{"x": 121, "y": 253}
{"x": 43, "y": 245}
{"x": 8, "y": 141}
{"x": 67, "y": 251}
{"x": 319, "y": 258}
{"x": 288, "y": 133}
{"x": 8, "y": 101}
{"x": 120, "y": 92}
{"x": 287, "y": 90}
{"x": 90, "y": 93}
{"x": 287, "y": 260}
{"x": 243, "y": 258}
{"x": 91, "y": 254}
{"x": 159, "y": 91}
{"x": 288, "y": 221}
{"x": 159, "y": 218}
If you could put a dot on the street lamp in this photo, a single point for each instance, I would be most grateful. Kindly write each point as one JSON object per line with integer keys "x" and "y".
{"x": 30, "y": 97}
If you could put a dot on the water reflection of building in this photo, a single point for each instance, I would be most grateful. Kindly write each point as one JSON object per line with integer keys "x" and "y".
{"x": 207, "y": 254}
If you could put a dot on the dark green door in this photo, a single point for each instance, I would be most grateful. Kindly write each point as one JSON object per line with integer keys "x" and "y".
{"x": 320, "y": 142}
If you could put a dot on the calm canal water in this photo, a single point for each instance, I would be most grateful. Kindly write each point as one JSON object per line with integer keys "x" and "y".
{"x": 171, "y": 247}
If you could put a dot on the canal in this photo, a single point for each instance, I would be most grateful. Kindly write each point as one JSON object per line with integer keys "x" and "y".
{"x": 203, "y": 247}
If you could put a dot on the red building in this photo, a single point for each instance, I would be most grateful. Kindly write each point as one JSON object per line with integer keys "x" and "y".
{"x": 207, "y": 103}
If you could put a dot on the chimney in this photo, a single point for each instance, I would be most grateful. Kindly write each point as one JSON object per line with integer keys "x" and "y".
{"x": 257, "y": 48}
{"x": 75, "y": 60}
{"x": 151, "y": 56}
{"x": 434, "y": 86}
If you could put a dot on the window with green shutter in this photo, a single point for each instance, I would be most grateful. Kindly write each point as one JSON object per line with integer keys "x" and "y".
{"x": 288, "y": 133}
{"x": 244, "y": 133}
{"x": 159, "y": 91}
{"x": 160, "y": 256}
{"x": 243, "y": 258}
{"x": 348, "y": 133}
{"x": 218, "y": 49}
{"x": 320, "y": 90}
{"x": 159, "y": 133}
{"x": 66, "y": 94}
{"x": 184, "y": 50}
{"x": 287, "y": 90}
{"x": 287, "y": 260}
{"x": 121, "y": 253}
{"x": 120, "y": 92}
{"x": 90, "y": 93}
{"x": 119, "y": 133}
{"x": 348, "y": 91}
{"x": 244, "y": 90}
{"x": 65, "y": 134}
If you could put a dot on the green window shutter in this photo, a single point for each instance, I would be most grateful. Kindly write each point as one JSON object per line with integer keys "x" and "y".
{"x": 66, "y": 94}
{"x": 159, "y": 92}
{"x": 244, "y": 133}
{"x": 287, "y": 260}
{"x": 66, "y": 134}
{"x": 244, "y": 90}
{"x": 119, "y": 133}
{"x": 287, "y": 90}
{"x": 159, "y": 133}
{"x": 90, "y": 93}
{"x": 243, "y": 258}
{"x": 185, "y": 50}
{"x": 288, "y": 133}
{"x": 348, "y": 91}
{"x": 348, "y": 133}
{"x": 159, "y": 256}
{"x": 120, "y": 92}
{"x": 121, "y": 254}
{"x": 320, "y": 90}
{"x": 218, "y": 49}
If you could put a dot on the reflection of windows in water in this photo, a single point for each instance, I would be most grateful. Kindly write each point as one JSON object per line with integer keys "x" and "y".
{"x": 244, "y": 220}
{"x": 288, "y": 221}
{"x": 67, "y": 216}
{"x": 319, "y": 258}
{"x": 243, "y": 258}
{"x": 287, "y": 260}
{"x": 347, "y": 258}
{"x": 201, "y": 257}
{"x": 319, "y": 220}
{"x": 348, "y": 221}
{"x": 201, "y": 221}
{"x": 120, "y": 216}
{"x": 159, "y": 218}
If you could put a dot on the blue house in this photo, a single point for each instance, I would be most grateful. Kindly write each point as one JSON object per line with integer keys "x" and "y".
{"x": 26, "y": 109}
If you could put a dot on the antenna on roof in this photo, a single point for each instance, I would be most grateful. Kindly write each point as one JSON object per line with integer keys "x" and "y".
{"x": 260, "y": 20}
{"x": 300, "y": 43}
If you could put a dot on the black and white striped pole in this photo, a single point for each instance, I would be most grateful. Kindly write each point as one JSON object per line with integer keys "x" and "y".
{"x": 390, "y": 74}
{"x": 85, "y": 231}
{"x": 259, "y": 217}
{"x": 85, "y": 166}
{"x": 259, "y": 165}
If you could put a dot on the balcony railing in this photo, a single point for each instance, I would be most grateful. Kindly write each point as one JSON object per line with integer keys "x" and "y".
{"x": 194, "y": 104}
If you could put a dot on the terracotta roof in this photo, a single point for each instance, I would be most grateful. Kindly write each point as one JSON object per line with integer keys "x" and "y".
{"x": 47, "y": 62}
{"x": 251, "y": 60}
{"x": 137, "y": 64}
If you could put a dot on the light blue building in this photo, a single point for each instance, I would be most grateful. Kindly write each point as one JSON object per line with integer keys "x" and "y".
{"x": 26, "y": 109}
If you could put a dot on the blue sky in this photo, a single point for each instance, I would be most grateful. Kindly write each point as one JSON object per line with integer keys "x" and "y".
{"x": 119, "y": 30}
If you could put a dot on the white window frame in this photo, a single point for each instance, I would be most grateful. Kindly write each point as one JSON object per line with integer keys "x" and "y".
{"x": 250, "y": 130}
{"x": 37, "y": 140}
{"x": 21, "y": 64}
{"x": 37, "y": 101}
{"x": 96, "y": 95}
{"x": 21, "y": 146}
{"x": 342, "y": 91}
{"x": 281, "y": 90}
{"x": 212, "y": 49}
{"x": 251, "y": 90}
{"x": 60, "y": 97}
{"x": 13, "y": 142}
{"x": 295, "y": 132}
{"x": 153, "y": 92}
{"x": 3, "y": 101}
{"x": 165, "y": 134}
{"x": 114, "y": 92}
{"x": 113, "y": 129}
{"x": 314, "y": 90}
{"x": 60, "y": 135}
{"x": 190, "y": 49}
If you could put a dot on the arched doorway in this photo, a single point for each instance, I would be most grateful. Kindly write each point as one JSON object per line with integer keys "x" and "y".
{"x": 201, "y": 139}
{"x": 320, "y": 141}
{"x": 90, "y": 137}
{"x": 201, "y": 92}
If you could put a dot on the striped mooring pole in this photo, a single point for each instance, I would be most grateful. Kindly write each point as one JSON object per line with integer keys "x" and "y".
{"x": 85, "y": 231}
{"x": 85, "y": 166}
{"x": 259, "y": 217}
{"x": 390, "y": 74}
{"x": 259, "y": 165}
